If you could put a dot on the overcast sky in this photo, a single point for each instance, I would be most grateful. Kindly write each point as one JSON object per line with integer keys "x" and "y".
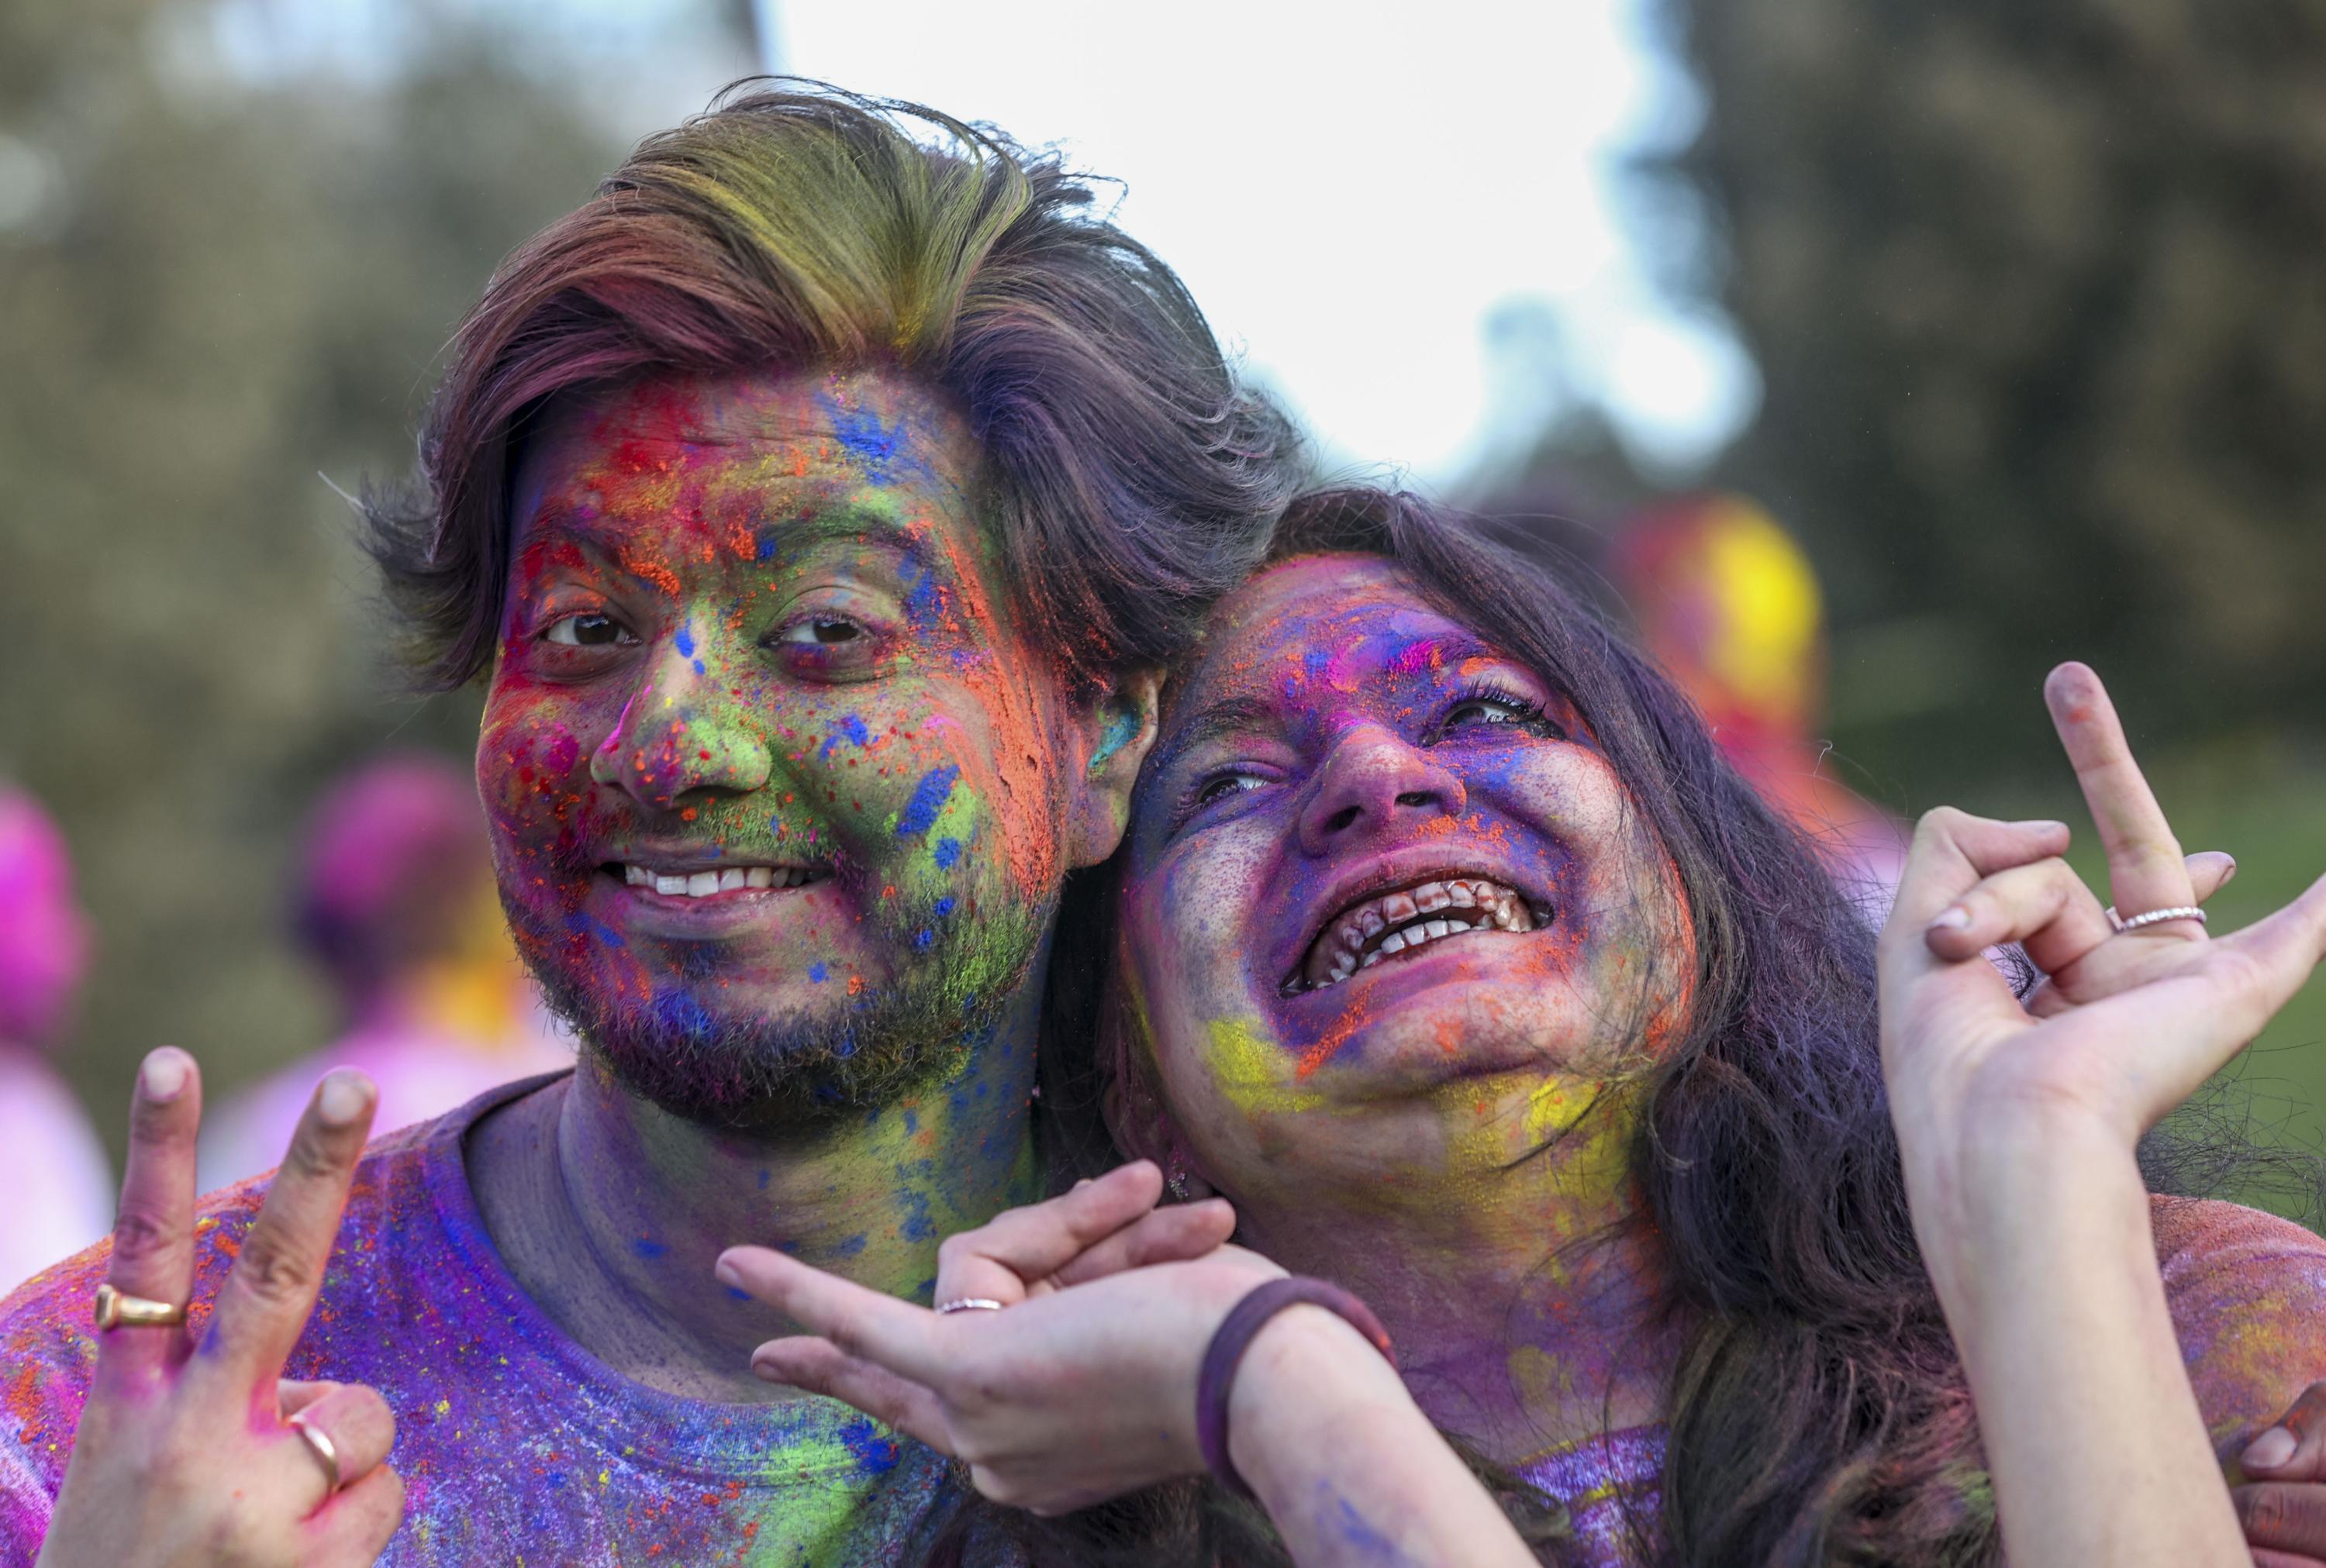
{"x": 1354, "y": 191}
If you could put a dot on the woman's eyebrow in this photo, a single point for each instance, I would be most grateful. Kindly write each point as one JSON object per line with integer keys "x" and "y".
{"x": 1221, "y": 717}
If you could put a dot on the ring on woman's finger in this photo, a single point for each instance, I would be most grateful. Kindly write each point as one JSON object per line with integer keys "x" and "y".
{"x": 969, "y": 1304}
{"x": 117, "y": 1309}
{"x": 320, "y": 1443}
{"x": 2178, "y": 912}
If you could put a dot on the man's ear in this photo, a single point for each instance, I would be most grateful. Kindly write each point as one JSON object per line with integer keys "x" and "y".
{"x": 1117, "y": 729}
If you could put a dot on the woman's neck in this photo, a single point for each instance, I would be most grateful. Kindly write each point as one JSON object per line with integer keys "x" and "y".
{"x": 1526, "y": 1297}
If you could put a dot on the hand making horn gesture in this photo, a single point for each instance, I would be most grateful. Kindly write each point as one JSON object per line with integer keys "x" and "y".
{"x": 192, "y": 1448}
{"x": 2138, "y": 1004}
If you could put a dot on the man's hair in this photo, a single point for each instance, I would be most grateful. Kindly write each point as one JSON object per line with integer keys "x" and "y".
{"x": 1127, "y": 478}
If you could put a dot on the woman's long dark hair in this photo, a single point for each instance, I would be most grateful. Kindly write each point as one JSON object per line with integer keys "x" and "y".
{"x": 1819, "y": 1411}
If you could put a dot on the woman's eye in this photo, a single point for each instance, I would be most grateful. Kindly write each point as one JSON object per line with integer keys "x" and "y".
{"x": 1500, "y": 711}
{"x": 1220, "y": 787}
{"x": 586, "y": 631}
{"x": 824, "y": 632}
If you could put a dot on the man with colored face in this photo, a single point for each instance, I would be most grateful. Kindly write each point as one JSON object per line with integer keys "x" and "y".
{"x": 816, "y": 503}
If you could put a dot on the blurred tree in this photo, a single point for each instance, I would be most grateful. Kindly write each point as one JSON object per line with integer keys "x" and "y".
{"x": 212, "y": 289}
{"x": 2038, "y": 296}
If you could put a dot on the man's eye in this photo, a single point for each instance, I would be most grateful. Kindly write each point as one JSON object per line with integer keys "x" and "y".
{"x": 586, "y": 631}
{"x": 823, "y": 631}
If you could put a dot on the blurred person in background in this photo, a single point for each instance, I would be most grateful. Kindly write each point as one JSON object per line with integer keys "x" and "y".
{"x": 1728, "y": 604}
{"x": 51, "y": 1164}
{"x": 396, "y": 903}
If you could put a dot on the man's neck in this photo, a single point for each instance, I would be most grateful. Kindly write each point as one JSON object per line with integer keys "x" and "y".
{"x": 610, "y": 1211}
{"x": 1524, "y": 1302}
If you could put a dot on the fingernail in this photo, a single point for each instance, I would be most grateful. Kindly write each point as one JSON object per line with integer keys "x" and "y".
{"x": 2271, "y": 1448}
{"x": 342, "y": 1098}
{"x": 1954, "y": 917}
{"x": 2041, "y": 825}
{"x": 162, "y": 1074}
{"x": 729, "y": 1275}
{"x": 2228, "y": 872}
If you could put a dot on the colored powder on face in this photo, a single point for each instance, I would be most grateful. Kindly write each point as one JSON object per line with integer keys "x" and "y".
{"x": 583, "y": 922}
{"x": 863, "y": 436}
{"x": 817, "y": 973}
{"x": 1251, "y": 1071}
{"x": 929, "y": 797}
{"x": 947, "y": 852}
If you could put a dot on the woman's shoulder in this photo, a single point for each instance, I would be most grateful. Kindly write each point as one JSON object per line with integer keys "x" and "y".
{"x": 2248, "y": 1293}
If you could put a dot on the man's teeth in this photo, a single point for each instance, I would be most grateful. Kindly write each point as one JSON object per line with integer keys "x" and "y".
{"x": 1394, "y": 923}
{"x": 704, "y": 884}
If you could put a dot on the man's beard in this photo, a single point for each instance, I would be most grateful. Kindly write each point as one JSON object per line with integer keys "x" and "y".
{"x": 764, "y": 1073}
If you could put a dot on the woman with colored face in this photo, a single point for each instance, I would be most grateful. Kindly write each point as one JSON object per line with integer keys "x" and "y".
{"x": 1447, "y": 950}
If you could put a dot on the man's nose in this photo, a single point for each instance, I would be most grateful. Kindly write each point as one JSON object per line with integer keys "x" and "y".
{"x": 683, "y": 731}
{"x": 1371, "y": 780}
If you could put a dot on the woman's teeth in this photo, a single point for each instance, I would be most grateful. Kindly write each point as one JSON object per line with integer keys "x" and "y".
{"x": 704, "y": 884}
{"x": 1363, "y": 934}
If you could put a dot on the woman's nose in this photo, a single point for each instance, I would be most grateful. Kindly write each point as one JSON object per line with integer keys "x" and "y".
{"x": 683, "y": 731}
{"x": 1373, "y": 778}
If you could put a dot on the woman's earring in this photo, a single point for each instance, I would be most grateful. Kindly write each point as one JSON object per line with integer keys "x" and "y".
{"x": 1175, "y": 1180}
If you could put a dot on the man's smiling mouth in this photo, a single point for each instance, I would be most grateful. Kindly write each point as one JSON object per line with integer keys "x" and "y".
{"x": 1403, "y": 920}
{"x": 706, "y": 882}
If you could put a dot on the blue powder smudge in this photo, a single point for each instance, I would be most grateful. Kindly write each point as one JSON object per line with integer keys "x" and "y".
{"x": 735, "y": 1295}
{"x": 875, "y": 1453}
{"x": 929, "y": 797}
{"x": 947, "y": 854}
{"x": 682, "y": 1015}
{"x": 944, "y": 906}
{"x": 912, "y": 1120}
{"x": 917, "y": 1225}
{"x": 649, "y": 1250}
{"x": 863, "y": 437}
{"x": 817, "y": 973}
{"x": 580, "y": 921}
{"x": 921, "y": 601}
{"x": 925, "y": 938}
{"x": 851, "y": 1247}
{"x": 850, "y": 729}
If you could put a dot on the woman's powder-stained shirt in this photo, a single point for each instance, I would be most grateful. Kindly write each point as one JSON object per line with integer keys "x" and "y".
{"x": 515, "y": 1445}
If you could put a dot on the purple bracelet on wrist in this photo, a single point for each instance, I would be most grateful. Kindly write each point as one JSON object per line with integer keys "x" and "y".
{"x": 1234, "y": 1337}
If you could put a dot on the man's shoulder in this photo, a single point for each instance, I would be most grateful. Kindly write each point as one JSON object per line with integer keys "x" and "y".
{"x": 2248, "y": 1293}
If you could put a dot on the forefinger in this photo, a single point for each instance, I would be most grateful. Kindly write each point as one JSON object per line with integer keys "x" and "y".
{"x": 263, "y": 1306}
{"x": 863, "y": 1324}
{"x": 2145, "y": 870}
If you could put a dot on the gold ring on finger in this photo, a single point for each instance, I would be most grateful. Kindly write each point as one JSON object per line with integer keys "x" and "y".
{"x": 324, "y": 1449}
{"x": 118, "y": 1309}
{"x": 2178, "y": 912}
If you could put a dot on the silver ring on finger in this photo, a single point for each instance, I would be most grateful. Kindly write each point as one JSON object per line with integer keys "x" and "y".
{"x": 324, "y": 1449}
{"x": 969, "y": 1303}
{"x": 2178, "y": 912}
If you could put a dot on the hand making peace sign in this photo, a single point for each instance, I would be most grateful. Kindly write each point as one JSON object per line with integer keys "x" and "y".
{"x": 195, "y": 1451}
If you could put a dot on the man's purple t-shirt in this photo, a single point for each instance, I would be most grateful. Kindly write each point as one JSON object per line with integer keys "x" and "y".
{"x": 515, "y": 1445}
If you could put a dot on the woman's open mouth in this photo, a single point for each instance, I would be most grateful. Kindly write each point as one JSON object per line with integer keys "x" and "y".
{"x": 1382, "y": 926}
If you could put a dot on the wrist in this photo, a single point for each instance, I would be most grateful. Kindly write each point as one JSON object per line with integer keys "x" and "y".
{"x": 1308, "y": 1380}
